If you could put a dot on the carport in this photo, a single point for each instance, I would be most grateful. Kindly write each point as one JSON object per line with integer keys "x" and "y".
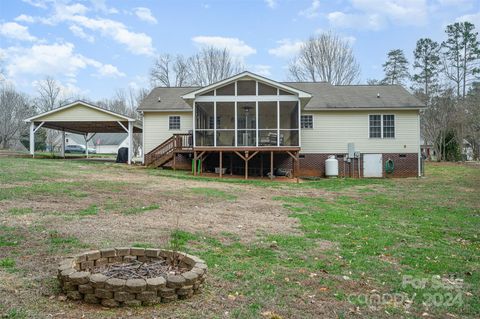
{"x": 85, "y": 119}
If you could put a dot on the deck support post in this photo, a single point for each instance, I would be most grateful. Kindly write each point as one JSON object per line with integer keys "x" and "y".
{"x": 220, "y": 164}
{"x": 231, "y": 164}
{"x": 174, "y": 162}
{"x": 246, "y": 165}
{"x": 297, "y": 167}
{"x": 194, "y": 163}
{"x": 261, "y": 164}
{"x": 271, "y": 165}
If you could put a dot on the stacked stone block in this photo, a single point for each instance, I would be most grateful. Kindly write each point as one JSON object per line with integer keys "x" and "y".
{"x": 79, "y": 283}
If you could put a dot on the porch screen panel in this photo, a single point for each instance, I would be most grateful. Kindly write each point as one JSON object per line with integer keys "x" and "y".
{"x": 267, "y": 124}
{"x": 246, "y": 124}
{"x": 246, "y": 87}
{"x": 264, "y": 89}
{"x": 225, "y": 123}
{"x": 204, "y": 123}
{"x": 289, "y": 123}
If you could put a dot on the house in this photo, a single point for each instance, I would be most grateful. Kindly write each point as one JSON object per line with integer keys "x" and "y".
{"x": 102, "y": 143}
{"x": 251, "y": 125}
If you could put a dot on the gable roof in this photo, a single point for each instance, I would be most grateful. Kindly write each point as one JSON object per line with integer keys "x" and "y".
{"x": 166, "y": 99}
{"x": 321, "y": 96}
{"x": 246, "y": 74}
{"x": 327, "y": 96}
{"x": 83, "y": 104}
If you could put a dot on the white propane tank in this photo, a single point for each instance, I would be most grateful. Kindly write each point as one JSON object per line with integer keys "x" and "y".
{"x": 331, "y": 166}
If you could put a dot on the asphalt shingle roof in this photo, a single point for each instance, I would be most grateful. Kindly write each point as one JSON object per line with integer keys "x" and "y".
{"x": 163, "y": 98}
{"x": 324, "y": 96}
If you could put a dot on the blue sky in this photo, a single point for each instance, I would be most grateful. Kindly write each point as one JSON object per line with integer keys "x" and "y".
{"x": 93, "y": 47}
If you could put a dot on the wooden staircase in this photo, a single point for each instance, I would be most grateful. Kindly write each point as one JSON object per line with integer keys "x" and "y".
{"x": 164, "y": 153}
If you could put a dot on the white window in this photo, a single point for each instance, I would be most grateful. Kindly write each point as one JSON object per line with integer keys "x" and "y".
{"x": 306, "y": 121}
{"x": 389, "y": 126}
{"x": 381, "y": 126}
{"x": 174, "y": 122}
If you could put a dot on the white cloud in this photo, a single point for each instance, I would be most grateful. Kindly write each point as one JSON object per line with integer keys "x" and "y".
{"x": 473, "y": 18}
{"x": 16, "y": 31}
{"x": 343, "y": 20}
{"x": 375, "y": 14}
{"x": 136, "y": 43}
{"x": 25, "y": 18}
{"x": 58, "y": 60}
{"x": 312, "y": 11}
{"x": 145, "y": 14}
{"x": 262, "y": 69}
{"x": 79, "y": 32}
{"x": 287, "y": 48}
{"x": 100, "y": 5}
{"x": 403, "y": 12}
{"x": 37, "y": 3}
{"x": 108, "y": 70}
{"x": 271, "y": 3}
{"x": 236, "y": 47}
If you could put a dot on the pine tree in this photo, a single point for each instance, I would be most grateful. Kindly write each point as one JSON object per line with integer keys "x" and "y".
{"x": 427, "y": 61}
{"x": 462, "y": 55}
{"x": 396, "y": 67}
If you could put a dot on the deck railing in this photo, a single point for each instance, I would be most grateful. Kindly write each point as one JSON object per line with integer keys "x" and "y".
{"x": 163, "y": 152}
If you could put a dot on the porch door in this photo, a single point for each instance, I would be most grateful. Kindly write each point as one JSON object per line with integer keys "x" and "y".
{"x": 372, "y": 165}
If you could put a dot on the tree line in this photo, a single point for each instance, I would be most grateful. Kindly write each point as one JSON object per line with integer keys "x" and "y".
{"x": 445, "y": 78}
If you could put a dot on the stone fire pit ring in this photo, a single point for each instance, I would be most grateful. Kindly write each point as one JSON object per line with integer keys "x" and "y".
{"x": 79, "y": 283}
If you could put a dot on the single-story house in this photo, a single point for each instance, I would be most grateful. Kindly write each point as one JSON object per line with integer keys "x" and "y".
{"x": 102, "y": 143}
{"x": 251, "y": 125}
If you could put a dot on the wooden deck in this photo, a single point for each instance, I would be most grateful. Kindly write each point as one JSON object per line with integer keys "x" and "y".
{"x": 183, "y": 143}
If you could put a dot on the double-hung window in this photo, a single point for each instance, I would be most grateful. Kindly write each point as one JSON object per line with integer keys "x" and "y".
{"x": 174, "y": 122}
{"x": 381, "y": 126}
{"x": 306, "y": 121}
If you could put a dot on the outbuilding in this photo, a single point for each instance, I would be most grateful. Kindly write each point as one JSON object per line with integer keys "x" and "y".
{"x": 86, "y": 119}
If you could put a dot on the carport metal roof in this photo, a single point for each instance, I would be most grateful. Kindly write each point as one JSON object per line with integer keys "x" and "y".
{"x": 81, "y": 117}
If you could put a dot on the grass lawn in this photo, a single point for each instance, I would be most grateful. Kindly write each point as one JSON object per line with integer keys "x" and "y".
{"x": 405, "y": 248}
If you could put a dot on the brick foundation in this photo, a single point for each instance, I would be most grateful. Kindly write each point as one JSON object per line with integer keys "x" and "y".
{"x": 405, "y": 165}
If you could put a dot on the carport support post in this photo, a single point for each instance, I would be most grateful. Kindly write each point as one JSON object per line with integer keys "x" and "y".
{"x": 130, "y": 142}
{"x": 86, "y": 145}
{"x": 63, "y": 144}
{"x": 32, "y": 139}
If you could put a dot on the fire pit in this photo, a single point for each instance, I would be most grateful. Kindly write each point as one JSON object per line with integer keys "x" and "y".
{"x": 131, "y": 276}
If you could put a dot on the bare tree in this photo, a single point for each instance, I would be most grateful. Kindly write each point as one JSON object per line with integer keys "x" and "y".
{"x": 14, "y": 108}
{"x": 170, "y": 71}
{"x": 326, "y": 57}
{"x": 438, "y": 120}
{"x": 208, "y": 66}
{"x": 211, "y": 65}
{"x": 50, "y": 96}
